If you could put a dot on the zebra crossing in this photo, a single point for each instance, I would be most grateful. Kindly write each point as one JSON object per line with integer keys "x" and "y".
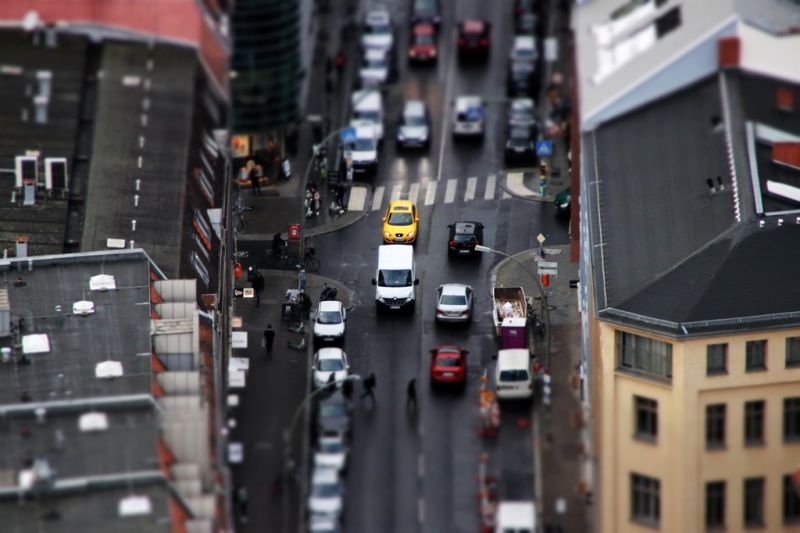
{"x": 428, "y": 191}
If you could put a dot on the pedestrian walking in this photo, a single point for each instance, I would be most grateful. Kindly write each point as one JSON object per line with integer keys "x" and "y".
{"x": 269, "y": 339}
{"x": 258, "y": 286}
{"x": 255, "y": 186}
{"x": 369, "y": 385}
{"x": 317, "y": 199}
{"x": 411, "y": 394}
{"x": 242, "y": 497}
{"x": 339, "y": 61}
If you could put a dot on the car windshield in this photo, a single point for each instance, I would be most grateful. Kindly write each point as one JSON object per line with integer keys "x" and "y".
{"x": 424, "y": 6}
{"x": 394, "y": 278}
{"x": 448, "y": 361}
{"x": 332, "y": 409}
{"x": 423, "y": 39}
{"x": 524, "y": 53}
{"x": 330, "y": 365}
{"x": 329, "y": 317}
{"x": 400, "y": 219}
{"x": 414, "y": 120}
{"x": 374, "y": 64}
{"x": 331, "y": 446}
{"x": 453, "y": 299}
{"x": 325, "y": 490}
{"x": 464, "y": 237}
{"x": 378, "y": 29}
{"x": 371, "y": 116}
{"x": 363, "y": 145}
{"x": 513, "y": 375}
{"x": 520, "y": 134}
{"x": 470, "y": 116}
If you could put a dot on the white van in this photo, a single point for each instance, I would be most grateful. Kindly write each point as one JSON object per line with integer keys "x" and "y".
{"x": 515, "y": 517}
{"x": 395, "y": 278}
{"x": 364, "y": 149}
{"x": 512, "y": 374}
{"x": 367, "y": 106}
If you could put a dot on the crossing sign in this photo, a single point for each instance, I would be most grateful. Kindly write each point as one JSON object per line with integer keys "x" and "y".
{"x": 348, "y": 135}
{"x": 544, "y": 148}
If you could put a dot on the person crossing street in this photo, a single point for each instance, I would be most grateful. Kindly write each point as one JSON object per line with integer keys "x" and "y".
{"x": 369, "y": 385}
{"x": 269, "y": 339}
{"x": 411, "y": 395}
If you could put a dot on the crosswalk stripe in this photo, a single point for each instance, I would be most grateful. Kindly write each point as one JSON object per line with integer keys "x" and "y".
{"x": 430, "y": 193}
{"x": 491, "y": 181}
{"x": 358, "y": 197}
{"x": 396, "y": 191}
{"x": 413, "y": 192}
{"x": 472, "y": 183}
{"x": 450, "y": 191}
{"x": 377, "y": 198}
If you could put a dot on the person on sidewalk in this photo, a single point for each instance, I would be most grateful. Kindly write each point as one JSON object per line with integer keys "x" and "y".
{"x": 278, "y": 245}
{"x": 306, "y": 304}
{"x": 241, "y": 497}
{"x": 269, "y": 339}
{"x": 369, "y": 385}
{"x": 411, "y": 395}
{"x": 258, "y": 286}
{"x": 255, "y": 186}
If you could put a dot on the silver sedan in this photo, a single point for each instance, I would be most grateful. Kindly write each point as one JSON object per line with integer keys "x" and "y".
{"x": 454, "y": 303}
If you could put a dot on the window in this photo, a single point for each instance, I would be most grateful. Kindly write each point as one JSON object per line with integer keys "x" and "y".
{"x": 717, "y": 359}
{"x": 791, "y": 419}
{"x": 645, "y": 499}
{"x": 715, "y": 425}
{"x": 792, "y": 352}
{"x": 668, "y": 22}
{"x": 754, "y": 423}
{"x": 791, "y": 499}
{"x": 715, "y": 504}
{"x": 646, "y": 418}
{"x": 643, "y": 355}
{"x": 754, "y": 502}
{"x": 755, "y": 356}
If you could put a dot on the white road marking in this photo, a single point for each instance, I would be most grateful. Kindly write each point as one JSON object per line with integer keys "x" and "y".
{"x": 491, "y": 182}
{"x": 421, "y": 502}
{"x": 450, "y": 192}
{"x": 514, "y": 184}
{"x": 448, "y": 97}
{"x": 472, "y": 184}
{"x": 358, "y": 197}
{"x": 413, "y": 192}
{"x": 377, "y": 198}
{"x": 506, "y": 195}
{"x": 430, "y": 193}
{"x": 396, "y": 191}
{"x": 421, "y": 466}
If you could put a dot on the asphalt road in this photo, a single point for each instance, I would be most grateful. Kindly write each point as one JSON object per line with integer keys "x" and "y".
{"x": 417, "y": 471}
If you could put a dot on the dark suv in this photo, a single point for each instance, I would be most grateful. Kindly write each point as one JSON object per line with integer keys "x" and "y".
{"x": 463, "y": 237}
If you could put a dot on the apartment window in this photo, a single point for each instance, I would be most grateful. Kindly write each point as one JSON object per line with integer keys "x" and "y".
{"x": 791, "y": 499}
{"x": 755, "y": 356}
{"x": 754, "y": 502}
{"x": 716, "y": 359}
{"x": 645, "y": 499}
{"x": 754, "y": 423}
{"x": 791, "y": 419}
{"x": 646, "y": 418}
{"x": 715, "y": 504}
{"x": 643, "y": 355}
{"x": 715, "y": 425}
{"x": 792, "y": 352}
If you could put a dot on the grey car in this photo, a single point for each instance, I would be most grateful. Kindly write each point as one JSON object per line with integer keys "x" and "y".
{"x": 454, "y": 303}
{"x": 414, "y": 130}
{"x": 333, "y": 415}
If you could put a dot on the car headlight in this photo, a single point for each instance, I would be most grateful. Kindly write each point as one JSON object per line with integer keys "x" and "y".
{"x": 387, "y": 234}
{"x": 410, "y": 233}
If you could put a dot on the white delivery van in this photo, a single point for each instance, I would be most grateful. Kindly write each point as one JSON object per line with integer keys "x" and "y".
{"x": 512, "y": 374}
{"x": 395, "y": 278}
{"x": 367, "y": 106}
{"x": 515, "y": 517}
{"x": 364, "y": 148}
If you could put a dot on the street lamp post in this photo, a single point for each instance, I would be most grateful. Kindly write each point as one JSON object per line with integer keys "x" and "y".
{"x": 287, "y": 440}
{"x": 545, "y": 309}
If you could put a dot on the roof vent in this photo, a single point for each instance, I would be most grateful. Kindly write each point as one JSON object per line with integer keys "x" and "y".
{"x": 35, "y": 343}
{"x": 134, "y": 506}
{"x": 102, "y": 282}
{"x": 83, "y": 308}
{"x": 108, "y": 369}
{"x": 94, "y": 421}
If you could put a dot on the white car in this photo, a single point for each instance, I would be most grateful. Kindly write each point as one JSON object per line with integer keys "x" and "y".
{"x": 378, "y": 31}
{"x": 330, "y": 362}
{"x": 323, "y": 523}
{"x": 468, "y": 117}
{"x": 329, "y": 321}
{"x": 454, "y": 303}
{"x": 331, "y": 452}
{"x": 363, "y": 151}
{"x": 414, "y": 129}
{"x": 367, "y": 108}
{"x": 524, "y": 49}
{"x": 326, "y": 492}
{"x": 375, "y": 67}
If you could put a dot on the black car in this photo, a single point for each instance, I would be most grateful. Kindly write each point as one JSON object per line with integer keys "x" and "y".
{"x": 526, "y": 23}
{"x": 426, "y": 11}
{"x": 521, "y": 146}
{"x": 521, "y": 79}
{"x": 463, "y": 237}
{"x": 333, "y": 414}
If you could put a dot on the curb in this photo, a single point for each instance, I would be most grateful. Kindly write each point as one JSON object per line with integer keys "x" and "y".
{"x": 530, "y": 196}
{"x": 324, "y": 229}
{"x": 502, "y": 264}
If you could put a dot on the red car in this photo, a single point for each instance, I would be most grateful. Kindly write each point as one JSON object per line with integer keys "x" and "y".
{"x": 449, "y": 365}
{"x": 422, "y": 48}
{"x": 473, "y": 38}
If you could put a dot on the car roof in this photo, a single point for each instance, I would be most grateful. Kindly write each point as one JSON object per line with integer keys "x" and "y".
{"x": 414, "y": 108}
{"x": 332, "y": 437}
{"x": 513, "y": 358}
{"x": 423, "y": 28}
{"x": 366, "y": 99}
{"x": 377, "y": 16}
{"x": 375, "y": 53}
{"x": 524, "y": 41}
{"x": 401, "y": 205}
{"x": 364, "y": 130}
{"x": 323, "y": 474}
{"x": 395, "y": 253}
{"x": 520, "y": 132}
{"x": 466, "y": 227}
{"x": 454, "y": 288}
{"x": 330, "y": 352}
{"x": 330, "y": 305}
{"x": 473, "y": 25}
{"x": 466, "y": 102}
{"x": 522, "y": 104}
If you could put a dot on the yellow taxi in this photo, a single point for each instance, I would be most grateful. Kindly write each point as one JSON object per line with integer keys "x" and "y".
{"x": 400, "y": 223}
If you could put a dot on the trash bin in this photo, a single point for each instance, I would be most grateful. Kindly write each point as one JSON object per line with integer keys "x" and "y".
{"x": 291, "y": 312}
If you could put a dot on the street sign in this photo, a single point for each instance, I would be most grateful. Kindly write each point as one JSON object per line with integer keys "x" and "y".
{"x": 547, "y": 264}
{"x": 238, "y": 293}
{"x": 544, "y": 148}
{"x": 294, "y": 232}
{"x": 348, "y": 135}
{"x": 249, "y": 292}
{"x": 550, "y": 271}
{"x": 541, "y": 238}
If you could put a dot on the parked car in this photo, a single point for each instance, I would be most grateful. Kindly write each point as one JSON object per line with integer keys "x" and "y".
{"x": 423, "y": 46}
{"x": 521, "y": 79}
{"x": 426, "y": 11}
{"x": 364, "y": 149}
{"x": 400, "y": 222}
{"x": 449, "y": 365}
{"x": 414, "y": 129}
{"x": 376, "y": 68}
{"x": 463, "y": 237}
{"x": 333, "y": 415}
{"x": 524, "y": 49}
{"x": 468, "y": 117}
{"x": 324, "y": 523}
{"x": 326, "y": 493}
{"x": 520, "y": 146}
{"x": 330, "y": 362}
{"x": 563, "y": 201}
{"x": 521, "y": 112}
{"x": 329, "y": 323}
{"x": 377, "y": 30}
{"x": 454, "y": 303}
{"x": 526, "y": 23}
{"x": 331, "y": 452}
{"x": 473, "y": 39}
